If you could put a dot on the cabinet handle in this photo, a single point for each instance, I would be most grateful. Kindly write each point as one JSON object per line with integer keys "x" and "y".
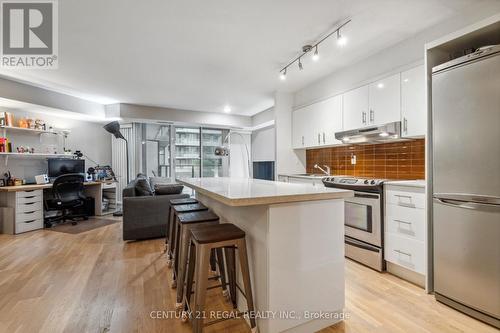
{"x": 403, "y": 253}
{"x": 363, "y": 118}
{"x": 302, "y": 140}
{"x": 404, "y": 222}
{"x": 324, "y": 141}
{"x": 405, "y": 125}
{"x": 319, "y": 138}
{"x": 372, "y": 116}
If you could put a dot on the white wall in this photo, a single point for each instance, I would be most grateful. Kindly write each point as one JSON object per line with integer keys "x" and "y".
{"x": 27, "y": 93}
{"x": 287, "y": 159}
{"x": 263, "y": 117}
{"x": 264, "y": 140}
{"x": 264, "y": 145}
{"x": 401, "y": 56}
{"x": 90, "y": 138}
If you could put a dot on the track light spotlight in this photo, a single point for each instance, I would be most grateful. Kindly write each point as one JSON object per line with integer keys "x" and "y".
{"x": 315, "y": 56}
{"x": 283, "y": 75}
{"x": 341, "y": 39}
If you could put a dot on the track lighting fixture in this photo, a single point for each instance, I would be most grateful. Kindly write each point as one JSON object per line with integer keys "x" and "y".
{"x": 315, "y": 56}
{"x": 341, "y": 41}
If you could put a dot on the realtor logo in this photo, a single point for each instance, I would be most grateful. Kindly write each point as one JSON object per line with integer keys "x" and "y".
{"x": 29, "y": 34}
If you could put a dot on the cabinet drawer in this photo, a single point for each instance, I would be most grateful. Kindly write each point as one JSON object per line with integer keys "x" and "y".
{"x": 28, "y": 200}
{"x": 29, "y": 216}
{"x": 25, "y": 194}
{"x": 406, "y": 197}
{"x": 405, "y": 252}
{"x": 405, "y": 221}
{"x": 29, "y": 207}
{"x": 29, "y": 225}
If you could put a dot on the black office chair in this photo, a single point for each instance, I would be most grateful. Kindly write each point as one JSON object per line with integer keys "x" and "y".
{"x": 67, "y": 197}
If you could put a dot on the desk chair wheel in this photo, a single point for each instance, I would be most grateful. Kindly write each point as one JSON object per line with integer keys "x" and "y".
{"x": 74, "y": 223}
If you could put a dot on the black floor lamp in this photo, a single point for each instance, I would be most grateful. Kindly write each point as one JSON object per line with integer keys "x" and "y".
{"x": 114, "y": 128}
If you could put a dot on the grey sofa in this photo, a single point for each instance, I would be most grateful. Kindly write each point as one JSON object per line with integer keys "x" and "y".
{"x": 145, "y": 216}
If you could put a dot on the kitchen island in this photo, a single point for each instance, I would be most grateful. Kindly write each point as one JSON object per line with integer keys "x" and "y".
{"x": 295, "y": 239}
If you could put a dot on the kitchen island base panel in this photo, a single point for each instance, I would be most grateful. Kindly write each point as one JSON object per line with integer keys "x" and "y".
{"x": 296, "y": 256}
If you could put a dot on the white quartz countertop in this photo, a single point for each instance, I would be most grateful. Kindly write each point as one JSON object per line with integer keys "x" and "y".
{"x": 412, "y": 183}
{"x": 249, "y": 192}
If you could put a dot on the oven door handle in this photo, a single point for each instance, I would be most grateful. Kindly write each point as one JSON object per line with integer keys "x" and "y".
{"x": 362, "y": 245}
{"x": 363, "y": 195}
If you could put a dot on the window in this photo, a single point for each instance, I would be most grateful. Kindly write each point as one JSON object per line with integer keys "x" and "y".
{"x": 212, "y": 165}
{"x": 156, "y": 150}
{"x": 187, "y": 152}
{"x": 191, "y": 151}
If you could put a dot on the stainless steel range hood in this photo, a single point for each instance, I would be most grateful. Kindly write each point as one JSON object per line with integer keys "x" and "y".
{"x": 372, "y": 134}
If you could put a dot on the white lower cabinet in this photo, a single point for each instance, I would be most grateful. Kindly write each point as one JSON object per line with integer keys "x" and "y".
{"x": 405, "y": 238}
{"x": 404, "y": 252}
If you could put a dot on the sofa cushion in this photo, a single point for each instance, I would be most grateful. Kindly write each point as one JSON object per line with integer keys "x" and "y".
{"x": 160, "y": 181}
{"x": 142, "y": 187}
{"x": 165, "y": 189}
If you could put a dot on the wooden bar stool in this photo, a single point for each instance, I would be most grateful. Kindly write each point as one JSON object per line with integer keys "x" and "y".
{"x": 168, "y": 232}
{"x": 185, "y": 223}
{"x": 174, "y": 235}
{"x": 203, "y": 239}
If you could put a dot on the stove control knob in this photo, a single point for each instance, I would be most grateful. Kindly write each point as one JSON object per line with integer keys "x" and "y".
{"x": 373, "y": 182}
{"x": 366, "y": 181}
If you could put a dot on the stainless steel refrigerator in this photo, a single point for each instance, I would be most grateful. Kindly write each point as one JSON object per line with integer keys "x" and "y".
{"x": 466, "y": 184}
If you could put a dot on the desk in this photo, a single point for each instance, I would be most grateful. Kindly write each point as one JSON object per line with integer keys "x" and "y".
{"x": 34, "y": 187}
{"x": 21, "y": 207}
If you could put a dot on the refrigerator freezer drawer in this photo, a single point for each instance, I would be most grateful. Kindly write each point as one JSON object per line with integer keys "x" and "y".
{"x": 467, "y": 256}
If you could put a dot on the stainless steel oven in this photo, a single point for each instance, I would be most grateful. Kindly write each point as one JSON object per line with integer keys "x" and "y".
{"x": 363, "y": 220}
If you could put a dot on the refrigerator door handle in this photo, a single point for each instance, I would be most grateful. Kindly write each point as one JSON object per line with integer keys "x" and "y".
{"x": 481, "y": 199}
{"x": 468, "y": 204}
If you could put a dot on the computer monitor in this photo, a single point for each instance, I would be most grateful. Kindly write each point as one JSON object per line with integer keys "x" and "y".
{"x": 62, "y": 166}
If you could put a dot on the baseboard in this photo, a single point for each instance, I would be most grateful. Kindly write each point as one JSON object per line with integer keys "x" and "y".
{"x": 406, "y": 274}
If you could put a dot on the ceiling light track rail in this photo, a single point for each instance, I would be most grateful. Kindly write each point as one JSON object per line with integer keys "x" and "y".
{"x": 308, "y": 48}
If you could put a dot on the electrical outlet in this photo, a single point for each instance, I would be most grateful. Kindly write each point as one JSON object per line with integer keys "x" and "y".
{"x": 353, "y": 159}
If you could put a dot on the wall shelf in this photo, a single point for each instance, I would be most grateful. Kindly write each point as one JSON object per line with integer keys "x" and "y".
{"x": 34, "y": 156}
{"x": 27, "y": 130}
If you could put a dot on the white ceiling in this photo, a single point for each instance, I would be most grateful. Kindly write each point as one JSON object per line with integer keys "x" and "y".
{"x": 201, "y": 55}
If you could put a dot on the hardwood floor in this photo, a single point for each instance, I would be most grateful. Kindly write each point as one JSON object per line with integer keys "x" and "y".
{"x": 94, "y": 282}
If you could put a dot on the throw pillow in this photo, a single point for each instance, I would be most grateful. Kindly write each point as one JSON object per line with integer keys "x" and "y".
{"x": 166, "y": 189}
{"x": 142, "y": 187}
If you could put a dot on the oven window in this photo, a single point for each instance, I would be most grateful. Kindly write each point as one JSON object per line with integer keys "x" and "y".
{"x": 358, "y": 216}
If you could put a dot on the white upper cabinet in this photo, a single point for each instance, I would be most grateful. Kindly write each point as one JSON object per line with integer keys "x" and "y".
{"x": 300, "y": 128}
{"x": 329, "y": 114}
{"x": 413, "y": 103}
{"x": 356, "y": 108}
{"x": 385, "y": 100}
{"x": 400, "y": 97}
{"x": 315, "y": 125}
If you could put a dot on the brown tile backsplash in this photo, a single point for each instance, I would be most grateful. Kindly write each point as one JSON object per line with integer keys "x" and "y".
{"x": 395, "y": 160}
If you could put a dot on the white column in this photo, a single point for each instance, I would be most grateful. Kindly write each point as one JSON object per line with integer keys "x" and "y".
{"x": 287, "y": 159}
